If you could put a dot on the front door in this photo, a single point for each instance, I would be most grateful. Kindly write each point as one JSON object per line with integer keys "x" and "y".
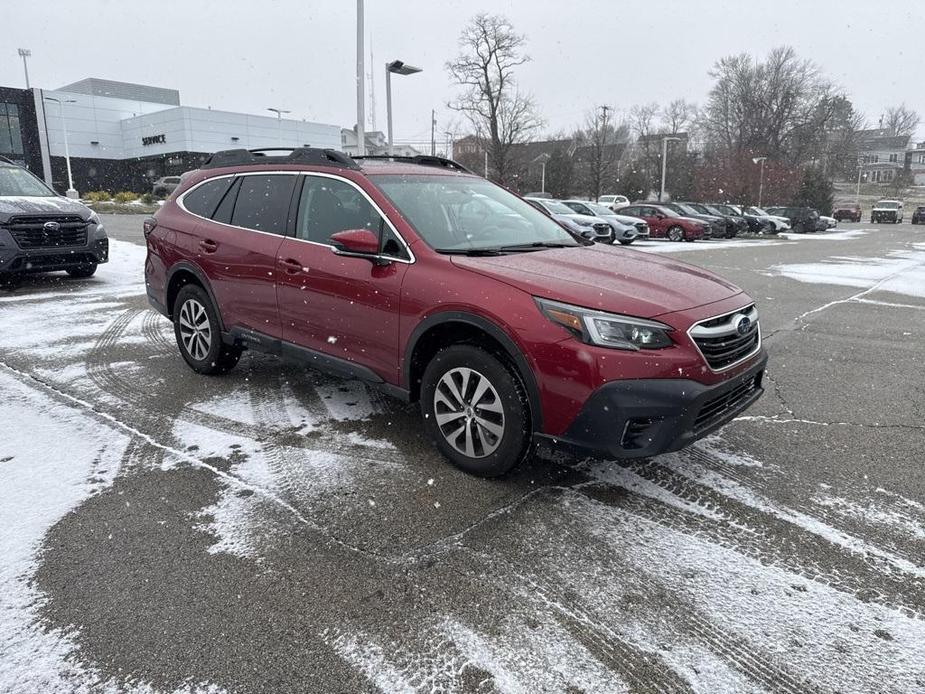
{"x": 342, "y": 306}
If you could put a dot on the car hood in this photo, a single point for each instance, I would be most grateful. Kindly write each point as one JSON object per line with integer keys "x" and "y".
{"x": 602, "y": 277}
{"x": 625, "y": 219}
{"x": 586, "y": 218}
{"x": 22, "y": 205}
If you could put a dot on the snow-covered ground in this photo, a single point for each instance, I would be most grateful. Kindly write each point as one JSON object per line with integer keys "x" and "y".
{"x": 727, "y": 567}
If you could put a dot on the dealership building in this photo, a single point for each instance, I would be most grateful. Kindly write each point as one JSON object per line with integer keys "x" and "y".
{"x": 124, "y": 136}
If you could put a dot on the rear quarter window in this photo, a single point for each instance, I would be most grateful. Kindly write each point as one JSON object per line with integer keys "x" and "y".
{"x": 204, "y": 198}
{"x": 263, "y": 203}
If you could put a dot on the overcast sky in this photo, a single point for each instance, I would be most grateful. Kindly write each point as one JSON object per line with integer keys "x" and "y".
{"x": 300, "y": 54}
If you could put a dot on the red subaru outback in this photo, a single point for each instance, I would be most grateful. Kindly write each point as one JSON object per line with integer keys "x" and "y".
{"x": 439, "y": 287}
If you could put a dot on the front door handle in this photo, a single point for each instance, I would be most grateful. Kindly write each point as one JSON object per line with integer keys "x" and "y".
{"x": 208, "y": 245}
{"x": 292, "y": 266}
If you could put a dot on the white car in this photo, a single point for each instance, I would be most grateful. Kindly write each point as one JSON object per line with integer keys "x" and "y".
{"x": 625, "y": 229}
{"x": 777, "y": 223}
{"x": 829, "y": 221}
{"x": 887, "y": 211}
{"x": 614, "y": 202}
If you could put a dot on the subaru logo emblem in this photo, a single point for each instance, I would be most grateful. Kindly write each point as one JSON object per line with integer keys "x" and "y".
{"x": 743, "y": 325}
{"x": 50, "y": 227}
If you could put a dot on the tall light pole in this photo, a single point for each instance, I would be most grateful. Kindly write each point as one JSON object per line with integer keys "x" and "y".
{"x": 857, "y": 195}
{"x": 25, "y": 53}
{"x": 760, "y": 160}
{"x": 71, "y": 192}
{"x": 399, "y": 68}
{"x": 661, "y": 192}
{"x": 279, "y": 122}
{"x": 361, "y": 84}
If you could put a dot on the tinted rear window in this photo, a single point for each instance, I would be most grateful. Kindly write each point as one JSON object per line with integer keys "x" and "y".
{"x": 263, "y": 203}
{"x": 203, "y": 199}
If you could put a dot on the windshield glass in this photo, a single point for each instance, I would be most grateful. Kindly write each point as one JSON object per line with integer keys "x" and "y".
{"x": 687, "y": 209}
{"x": 887, "y": 205}
{"x": 464, "y": 213}
{"x": 725, "y": 209}
{"x": 600, "y": 210}
{"x": 607, "y": 198}
{"x": 757, "y": 211}
{"x": 17, "y": 182}
{"x": 555, "y": 207}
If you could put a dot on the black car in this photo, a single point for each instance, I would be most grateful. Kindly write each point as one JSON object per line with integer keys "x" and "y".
{"x": 741, "y": 222}
{"x": 43, "y": 232}
{"x": 918, "y": 216}
{"x": 756, "y": 225}
{"x": 732, "y": 225}
{"x": 802, "y": 219}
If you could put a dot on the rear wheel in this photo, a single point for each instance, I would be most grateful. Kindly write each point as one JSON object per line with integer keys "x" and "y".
{"x": 198, "y": 332}
{"x": 675, "y": 233}
{"x": 82, "y": 271}
{"x": 475, "y": 410}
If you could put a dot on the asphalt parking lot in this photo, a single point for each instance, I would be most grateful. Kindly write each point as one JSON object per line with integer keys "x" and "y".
{"x": 276, "y": 530}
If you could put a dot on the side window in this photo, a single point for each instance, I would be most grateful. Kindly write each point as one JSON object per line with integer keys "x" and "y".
{"x": 263, "y": 203}
{"x": 203, "y": 199}
{"x": 226, "y": 206}
{"x": 328, "y": 206}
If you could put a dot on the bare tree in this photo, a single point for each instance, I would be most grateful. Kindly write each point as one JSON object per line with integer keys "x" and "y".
{"x": 678, "y": 116}
{"x": 599, "y": 150}
{"x": 501, "y": 116}
{"x": 900, "y": 120}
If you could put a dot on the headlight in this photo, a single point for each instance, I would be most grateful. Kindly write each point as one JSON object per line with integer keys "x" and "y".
{"x": 607, "y": 329}
{"x": 94, "y": 218}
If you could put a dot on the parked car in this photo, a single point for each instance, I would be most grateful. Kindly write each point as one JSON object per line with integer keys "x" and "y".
{"x": 666, "y": 223}
{"x": 731, "y": 226}
{"x": 717, "y": 224}
{"x": 756, "y": 224}
{"x": 802, "y": 219}
{"x": 741, "y": 223}
{"x": 614, "y": 202}
{"x": 887, "y": 211}
{"x": 507, "y": 330}
{"x": 590, "y": 227}
{"x": 775, "y": 224}
{"x": 165, "y": 185}
{"x": 41, "y": 231}
{"x": 847, "y": 213}
{"x": 625, "y": 229}
{"x": 918, "y": 216}
{"x": 829, "y": 222}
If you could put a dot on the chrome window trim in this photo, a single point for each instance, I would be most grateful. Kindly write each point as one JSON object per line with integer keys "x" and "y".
{"x": 372, "y": 202}
{"x": 734, "y": 364}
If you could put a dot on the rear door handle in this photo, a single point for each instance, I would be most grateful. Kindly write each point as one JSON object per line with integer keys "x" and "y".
{"x": 292, "y": 266}
{"x": 208, "y": 245}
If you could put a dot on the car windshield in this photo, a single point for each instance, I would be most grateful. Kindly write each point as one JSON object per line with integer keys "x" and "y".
{"x": 607, "y": 198}
{"x": 725, "y": 209}
{"x": 888, "y": 205}
{"x": 757, "y": 211}
{"x": 18, "y": 182}
{"x": 600, "y": 210}
{"x": 687, "y": 209}
{"x": 462, "y": 213}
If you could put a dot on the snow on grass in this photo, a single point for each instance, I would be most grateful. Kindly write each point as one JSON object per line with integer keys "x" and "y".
{"x": 901, "y": 272}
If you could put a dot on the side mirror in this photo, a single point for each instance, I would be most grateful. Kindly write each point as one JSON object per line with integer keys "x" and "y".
{"x": 355, "y": 242}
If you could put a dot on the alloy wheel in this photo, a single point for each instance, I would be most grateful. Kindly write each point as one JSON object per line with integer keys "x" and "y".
{"x": 469, "y": 412}
{"x": 195, "y": 329}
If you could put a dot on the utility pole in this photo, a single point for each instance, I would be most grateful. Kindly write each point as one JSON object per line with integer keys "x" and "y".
{"x": 433, "y": 125}
{"x": 279, "y": 122}
{"x": 25, "y": 53}
{"x": 361, "y": 87}
{"x": 71, "y": 191}
{"x": 372, "y": 88}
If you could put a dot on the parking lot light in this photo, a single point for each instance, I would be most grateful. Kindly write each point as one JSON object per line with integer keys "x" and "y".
{"x": 71, "y": 191}
{"x": 399, "y": 68}
{"x": 665, "y": 140}
{"x": 761, "y": 160}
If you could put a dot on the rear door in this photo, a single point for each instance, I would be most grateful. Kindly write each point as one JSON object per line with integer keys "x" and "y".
{"x": 236, "y": 247}
{"x": 345, "y": 307}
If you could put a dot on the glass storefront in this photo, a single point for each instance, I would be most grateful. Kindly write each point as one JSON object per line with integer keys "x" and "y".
{"x": 10, "y": 133}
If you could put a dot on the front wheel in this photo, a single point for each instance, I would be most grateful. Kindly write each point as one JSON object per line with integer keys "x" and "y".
{"x": 82, "y": 271}
{"x": 626, "y": 242}
{"x": 475, "y": 410}
{"x": 676, "y": 233}
{"x": 198, "y": 332}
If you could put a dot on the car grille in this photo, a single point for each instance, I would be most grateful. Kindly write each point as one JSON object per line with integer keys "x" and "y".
{"x": 716, "y": 408}
{"x": 642, "y": 228}
{"x": 32, "y": 232}
{"x": 602, "y": 228}
{"x": 720, "y": 341}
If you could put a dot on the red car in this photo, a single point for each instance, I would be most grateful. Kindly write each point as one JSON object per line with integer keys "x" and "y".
{"x": 665, "y": 223}
{"x": 439, "y": 287}
{"x": 849, "y": 213}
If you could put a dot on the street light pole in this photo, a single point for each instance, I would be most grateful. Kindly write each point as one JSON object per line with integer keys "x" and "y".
{"x": 25, "y": 53}
{"x": 361, "y": 84}
{"x": 71, "y": 192}
{"x": 279, "y": 122}
{"x": 760, "y": 160}
{"x": 661, "y": 192}
{"x": 399, "y": 68}
{"x": 857, "y": 195}
{"x": 543, "y": 179}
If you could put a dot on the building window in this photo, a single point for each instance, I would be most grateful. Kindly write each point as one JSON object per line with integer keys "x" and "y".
{"x": 893, "y": 158}
{"x": 10, "y": 134}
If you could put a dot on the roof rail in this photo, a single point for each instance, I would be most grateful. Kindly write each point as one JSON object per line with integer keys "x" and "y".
{"x": 420, "y": 159}
{"x": 274, "y": 156}
{"x": 6, "y": 161}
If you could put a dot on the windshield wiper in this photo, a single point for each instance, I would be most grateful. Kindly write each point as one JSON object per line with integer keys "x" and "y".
{"x": 537, "y": 245}
{"x": 471, "y": 251}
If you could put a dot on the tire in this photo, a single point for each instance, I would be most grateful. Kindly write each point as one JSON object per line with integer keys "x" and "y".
{"x": 675, "y": 233}
{"x": 83, "y": 271}
{"x": 197, "y": 329}
{"x": 450, "y": 382}
{"x": 10, "y": 280}
{"x": 626, "y": 242}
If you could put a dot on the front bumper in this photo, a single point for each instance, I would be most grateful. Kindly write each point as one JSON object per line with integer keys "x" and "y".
{"x": 14, "y": 259}
{"x": 646, "y": 417}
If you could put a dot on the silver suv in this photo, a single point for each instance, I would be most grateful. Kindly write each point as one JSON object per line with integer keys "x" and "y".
{"x": 165, "y": 185}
